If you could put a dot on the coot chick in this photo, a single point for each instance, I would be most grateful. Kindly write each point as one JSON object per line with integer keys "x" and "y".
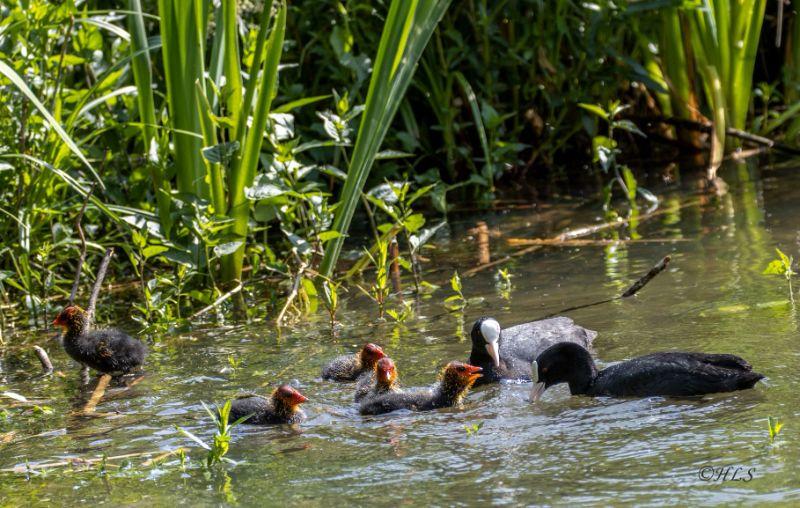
{"x": 109, "y": 351}
{"x": 665, "y": 374}
{"x": 508, "y": 353}
{"x": 382, "y": 380}
{"x": 457, "y": 379}
{"x": 281, "y": 407}
{"x": 349, "y": 367}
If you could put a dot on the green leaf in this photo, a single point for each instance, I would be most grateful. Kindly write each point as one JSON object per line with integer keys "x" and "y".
{"x": 227, "y": 248}
{"x": 153, "y": 250}
{"x": 455, "y": 283}
{"x": 786, "y": 260}
{"x": 328, "y": 235}
{"x": 775, "y": 267}
{"x": 220, "y": 153}
{"x": 595, "y": 110}
{"x": 414, "y": 222}
{"x": 629, "y": 126}
{"x": 775, "y": 426}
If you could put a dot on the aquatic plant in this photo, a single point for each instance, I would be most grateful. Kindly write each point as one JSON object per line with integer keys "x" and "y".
{"x": 221, "y": 443}
{"x": 775, "y": 426}
{"x": 504, "y": 283}
{"x": 605, "y": 149}
{"x": 782, "y": 266}
{"x": 457, "y": 301}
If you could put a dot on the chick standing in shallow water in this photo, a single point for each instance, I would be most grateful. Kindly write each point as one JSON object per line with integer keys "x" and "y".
{"x": 108, "y": 351}
{"x": 281, "y": 407}
{"x": 349, "y": 367}
{"x": 382, "y": 380}
{"x": 666, "y": 374}
{"x": 456, "y": 381}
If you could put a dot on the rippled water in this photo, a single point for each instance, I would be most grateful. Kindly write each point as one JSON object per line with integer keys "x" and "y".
{"x": 564, "y": 450}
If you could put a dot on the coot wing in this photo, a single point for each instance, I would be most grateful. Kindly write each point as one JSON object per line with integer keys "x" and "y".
{"x": 674, "y": 374}
{"x": 527, "y": 341}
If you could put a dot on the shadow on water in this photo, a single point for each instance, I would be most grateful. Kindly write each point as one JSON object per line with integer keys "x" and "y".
{"x": 562, "y": 450}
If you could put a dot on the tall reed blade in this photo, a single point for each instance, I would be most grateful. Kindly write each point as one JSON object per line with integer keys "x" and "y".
{"x": 143, "y": 77}
{"x": 406, "y": 32}
{"x": 243, "y": 169}
{"x": 182, "y": 38}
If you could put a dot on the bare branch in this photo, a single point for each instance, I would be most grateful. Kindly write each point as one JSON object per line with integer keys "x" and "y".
{"x": 218, "y": 301}
{"x": 47, "y": 365}
{"x": 98, "y": 283}
{"x": 82, "y": 257}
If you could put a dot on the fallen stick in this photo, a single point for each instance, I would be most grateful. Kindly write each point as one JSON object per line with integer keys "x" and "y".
{"x": 47, "y": 365}
{"x": 572, "y": 234}
{"x": 218, "y": 301}
{"x": 293, "y": 294}
{"x": 588, "y": 243}
{"x": 632, "y": 290}
{"x": 98, "y": 283}
{"x": 97, "y": 394}
{"x": 88, "y": 462}
{"x": 708, "y": 127}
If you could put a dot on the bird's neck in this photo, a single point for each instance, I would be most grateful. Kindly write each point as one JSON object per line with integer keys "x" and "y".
{"x": 582, "y": 379}
{"x": 75, "y": 330}
{"x": 282, "y": 409}
{"x": 449, "y": 393}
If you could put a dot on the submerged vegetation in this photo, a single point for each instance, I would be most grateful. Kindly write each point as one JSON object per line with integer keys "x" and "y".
{"x": 221, "y": 145}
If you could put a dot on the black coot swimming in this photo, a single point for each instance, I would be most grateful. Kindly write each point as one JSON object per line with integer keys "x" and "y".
{"x": 665, "y": 374}
{"x": 349, "y": 367}
{"x": 508, "y": 353}
{"x": 108, "y": 351}
{"x": 282, "y": 406}
{"x": 456, "y": 381}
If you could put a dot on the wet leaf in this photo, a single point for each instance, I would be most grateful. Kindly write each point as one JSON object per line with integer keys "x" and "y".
{"x": 227, "y": 248}
{"x": 219, "y": 153}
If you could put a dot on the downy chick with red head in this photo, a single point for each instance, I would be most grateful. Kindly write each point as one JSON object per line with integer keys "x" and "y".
{"x": 109, "y": 351}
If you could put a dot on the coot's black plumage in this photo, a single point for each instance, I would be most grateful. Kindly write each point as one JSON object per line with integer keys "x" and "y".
{"x": 456, "y": 381}
{"x": 281, "y": 407}
{"x": 108, "y": 351}
{"x": 664, "y": 374}
{"x": 349, "y": 367}
{"x": 382, "y": 380}
{"x": 508, "y": 353}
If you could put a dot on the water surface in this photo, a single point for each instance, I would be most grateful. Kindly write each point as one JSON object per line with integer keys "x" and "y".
{"x": 563, "y": 450}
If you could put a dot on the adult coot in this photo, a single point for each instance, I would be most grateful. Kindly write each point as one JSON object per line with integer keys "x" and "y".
{"x": 108, "y": 351}
{"x": 508, "y": 353}
{"x": 666, "y": 374}
{"x": 457, "y": 379}
{"x": 282, "y": 406}
{"x": 349, "y": 367}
